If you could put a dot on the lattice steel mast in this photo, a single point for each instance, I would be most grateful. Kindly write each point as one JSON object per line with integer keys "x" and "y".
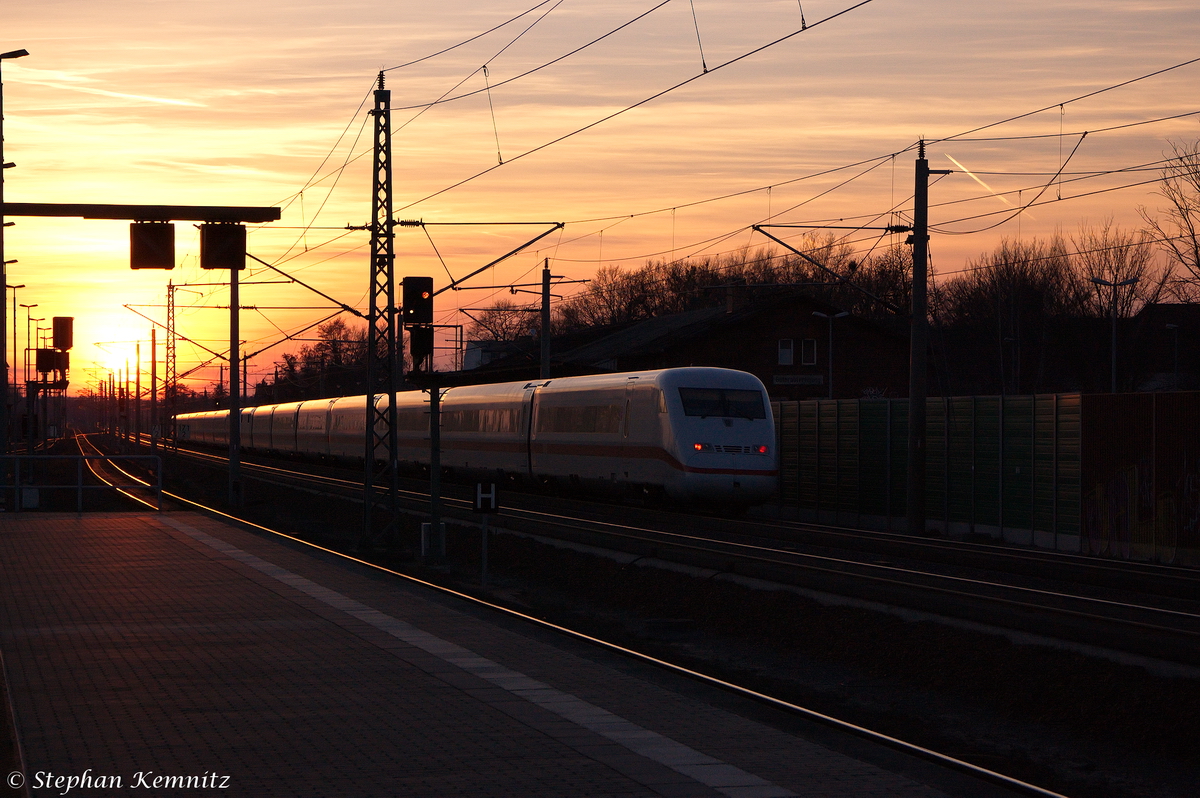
{"x": 381, "y": 482}
{"x": 170, "y": 387}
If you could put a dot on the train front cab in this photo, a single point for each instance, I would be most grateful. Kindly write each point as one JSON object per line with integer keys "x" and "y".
{"x": 722, "y": 434}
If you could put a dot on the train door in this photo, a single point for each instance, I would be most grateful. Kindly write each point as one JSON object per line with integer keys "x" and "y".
{"x": 529, "y": 405}
{"x": 627, "y": 419}
{"x": 327, "y": 437}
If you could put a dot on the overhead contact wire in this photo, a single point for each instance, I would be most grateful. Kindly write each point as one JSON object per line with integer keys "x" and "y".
{"x": 636, "y": 105}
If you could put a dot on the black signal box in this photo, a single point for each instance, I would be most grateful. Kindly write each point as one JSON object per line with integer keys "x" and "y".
{"x": 420, "y": 345}
{"x": 152, "y": 245}
{"x": 64, "y": 332}
{"x": 222, "y": 246}
{"x": 417, "y": 300}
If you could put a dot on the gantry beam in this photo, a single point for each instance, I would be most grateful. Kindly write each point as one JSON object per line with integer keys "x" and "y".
{"x": 143, "y": 213}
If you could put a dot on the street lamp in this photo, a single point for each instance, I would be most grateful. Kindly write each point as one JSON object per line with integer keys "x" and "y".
{"x": 830, "y": 317}
{"x": 1114, "y": 287}
{"x": 28, "y": 319}
{"x": 14, "y": 345}
{"x": 3, "y": 264}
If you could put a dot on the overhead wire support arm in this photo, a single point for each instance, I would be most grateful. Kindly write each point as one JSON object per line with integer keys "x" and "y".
{"x": 891, "y": 228}
{"x": 184, "y": 337}
{"x": 840, "y": 278}
{"x": 455, "y": 284}
{"x": 303, "y": 284}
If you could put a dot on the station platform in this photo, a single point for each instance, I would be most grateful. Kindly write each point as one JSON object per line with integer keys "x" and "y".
{"x": 175, "y": 654}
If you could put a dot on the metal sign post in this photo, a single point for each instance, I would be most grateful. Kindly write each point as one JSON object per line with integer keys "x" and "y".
{"x": 487, "y": 502}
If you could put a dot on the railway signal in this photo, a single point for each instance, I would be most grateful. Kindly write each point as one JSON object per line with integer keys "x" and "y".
{"x": 417, "y": 314}
{"x": 420, "y": 346}
{"x": 417, "y": 300}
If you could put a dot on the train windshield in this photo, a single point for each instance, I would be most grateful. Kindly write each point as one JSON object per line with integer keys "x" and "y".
{"x": 722, "y": 402}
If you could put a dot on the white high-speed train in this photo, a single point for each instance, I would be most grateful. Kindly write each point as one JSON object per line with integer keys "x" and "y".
{"x": 700, "y": 434}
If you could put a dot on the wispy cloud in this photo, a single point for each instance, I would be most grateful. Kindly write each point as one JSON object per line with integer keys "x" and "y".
{"x": 70, "y": 82}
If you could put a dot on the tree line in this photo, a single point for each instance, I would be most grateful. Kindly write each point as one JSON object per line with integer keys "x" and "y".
{"x": 1027, "y": 316}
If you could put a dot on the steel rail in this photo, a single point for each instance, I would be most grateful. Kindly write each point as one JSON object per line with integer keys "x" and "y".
{"x": 860, "y": 731}
{"x": 1190, "y": 577}
{"x": 884, "y": 574}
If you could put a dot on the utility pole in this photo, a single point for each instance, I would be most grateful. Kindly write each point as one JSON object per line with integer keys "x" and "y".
{"x": 235, "y": 410}
{"x": 137, "y": 397}
{"x": 918, "y": 371}
{"x": 170, "y": 390}
{"x": 382, "y": 351}
{"x": 154, "y": 389}
{"x": 545, "y": 372}
{"x": 4, "y": 266}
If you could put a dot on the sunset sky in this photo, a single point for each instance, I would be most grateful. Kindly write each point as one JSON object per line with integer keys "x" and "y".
{"x": 264, "y": 103}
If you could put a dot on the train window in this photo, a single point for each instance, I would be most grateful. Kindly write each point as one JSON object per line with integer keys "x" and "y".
{"x": 487, "y": 419}
{"x": 582, "y": 418}
{"x": 722, "y": 403}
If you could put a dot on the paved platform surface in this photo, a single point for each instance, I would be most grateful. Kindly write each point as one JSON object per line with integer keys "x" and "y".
{"x": 174, "y": 647}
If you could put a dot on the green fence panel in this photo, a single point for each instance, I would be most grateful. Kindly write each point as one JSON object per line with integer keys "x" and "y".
{"x": 1068, "y": 464}
{"x": 987, "y": 461}
{"x": 873, "y": 456}
{"x": 787, "y": 447}
{"x": 1045, "y": 463}
{"x": 899, "y": 457}
{"x": 960, "y": 480}
{"x": 807, "y": 455}
{"x": 848, "y": 457}
{"x": 935, "y": 459}
{"x": 1018, "y": 462}
{"x": 991, "y": 462}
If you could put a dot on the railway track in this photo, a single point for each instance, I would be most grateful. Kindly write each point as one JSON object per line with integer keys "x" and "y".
{"x": 1007, "y": 784}
{"x": 1143, "y": 609}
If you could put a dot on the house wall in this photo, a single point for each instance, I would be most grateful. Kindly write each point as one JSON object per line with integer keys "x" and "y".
{"x": 867, "y": 360}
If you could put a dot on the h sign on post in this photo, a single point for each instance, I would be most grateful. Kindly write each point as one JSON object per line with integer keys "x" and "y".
{"x": 487, "y": 499}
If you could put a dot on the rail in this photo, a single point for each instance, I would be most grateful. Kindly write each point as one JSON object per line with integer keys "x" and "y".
{"x": 18, "y": 487}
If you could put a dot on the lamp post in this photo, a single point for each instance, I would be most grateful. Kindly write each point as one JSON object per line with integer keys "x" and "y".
{"x": 1174, "y": 328}
{"x": 25, "y": 360}
{"x": 1114, "y": 287}
{"x": 830, "y": 317}
{"x": 15, "y": 392}
{"x": 3, "y": 264}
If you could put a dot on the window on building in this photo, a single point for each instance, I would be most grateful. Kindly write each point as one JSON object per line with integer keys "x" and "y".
{"x": 786, "y": 350}
{"x": 808, "y": 355}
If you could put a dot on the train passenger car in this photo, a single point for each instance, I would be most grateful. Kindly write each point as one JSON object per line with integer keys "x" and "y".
{"x": 699, "y": 434}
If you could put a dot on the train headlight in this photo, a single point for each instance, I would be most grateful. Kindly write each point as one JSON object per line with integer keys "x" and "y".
{"x": 761, "y": 449}
{"x": 702, "y": 447}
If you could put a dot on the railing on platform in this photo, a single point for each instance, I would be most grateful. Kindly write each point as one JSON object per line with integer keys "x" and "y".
{"x": 12, "y": 468}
